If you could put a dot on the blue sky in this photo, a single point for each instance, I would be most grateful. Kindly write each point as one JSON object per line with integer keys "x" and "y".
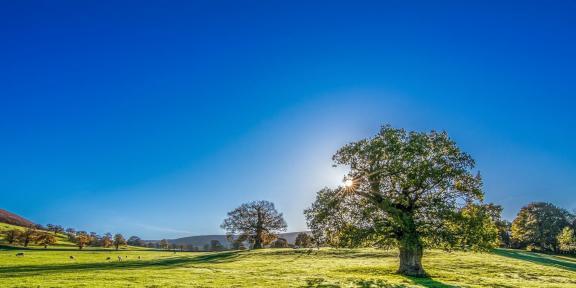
{"x": 156, "y": 118}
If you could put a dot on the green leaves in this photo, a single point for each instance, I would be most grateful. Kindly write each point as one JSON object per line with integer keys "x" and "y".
{"x": 405, "y": 183}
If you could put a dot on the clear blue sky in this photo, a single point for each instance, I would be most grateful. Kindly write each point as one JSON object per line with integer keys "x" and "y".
{"x": 155, "y": 118}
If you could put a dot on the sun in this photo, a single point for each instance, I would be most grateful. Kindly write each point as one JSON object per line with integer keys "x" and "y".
{"x": 348, "y": 183}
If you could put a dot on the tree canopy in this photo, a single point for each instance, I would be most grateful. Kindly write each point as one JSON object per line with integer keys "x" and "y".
{"x": 406, "y": 189}
{"x": 538, "y": 225}
{"x": 257, "y": 222}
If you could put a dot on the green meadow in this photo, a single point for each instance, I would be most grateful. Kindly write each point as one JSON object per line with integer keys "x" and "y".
{"x": 278, "y": 268}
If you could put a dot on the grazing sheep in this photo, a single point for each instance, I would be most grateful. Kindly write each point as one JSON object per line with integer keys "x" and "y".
{"x": 21, "y": 254}
{"x": 119, "y": 258}
{"x": 72, "y": 258}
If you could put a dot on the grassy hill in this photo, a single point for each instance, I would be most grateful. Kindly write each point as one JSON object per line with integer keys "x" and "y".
{"x": 11, "y": 218}
{"x": 281, "y": 268}
{"x": 61, "y": 239}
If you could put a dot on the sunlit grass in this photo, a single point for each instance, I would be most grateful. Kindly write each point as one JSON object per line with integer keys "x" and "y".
{"x": 279, "y": 268}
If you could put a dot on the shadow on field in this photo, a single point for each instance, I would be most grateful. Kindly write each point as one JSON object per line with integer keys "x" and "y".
{"x": 27, "y": 270}
{"x": 537, "y": 258}
{"x": 425, "y": 282}
{"x": 335, "y": 253}
{"x": 429, "y": 282}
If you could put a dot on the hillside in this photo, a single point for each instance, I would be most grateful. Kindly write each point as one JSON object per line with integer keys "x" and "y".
{"x": 201, "y": 240}
{"x": 11, "y": 218}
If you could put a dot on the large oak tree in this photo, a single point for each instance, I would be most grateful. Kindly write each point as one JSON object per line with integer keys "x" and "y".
{"x": 257, "y": 222}
{"x": 405, "y": 189}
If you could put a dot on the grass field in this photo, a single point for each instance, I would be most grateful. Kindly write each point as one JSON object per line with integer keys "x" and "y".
{"x": 279, "y": 268}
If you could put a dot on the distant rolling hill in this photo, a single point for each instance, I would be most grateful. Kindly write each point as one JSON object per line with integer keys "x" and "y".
{"x": 11, "y": 218}
{"x": 200, "y": 241}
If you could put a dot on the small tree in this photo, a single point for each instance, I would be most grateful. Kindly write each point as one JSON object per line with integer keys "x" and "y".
{"x": 12, "y": 236}
{"x": 238, "y": 245}
{"x": 119, "y": 241}
{"x": 28, "y": 235}
{"x": 106, "y": 240}
{"x": 58, "y": 229}
{"x": 567, "y": 240}
{"x": 164, "y": 244}
{"x": 257, "y": 221}
{"x": 82, "y": 239}
{"x": 279, "y": 243}
{"x": 94, "y": 239}
{"x": 303, "y": 240}
{"x": 135, "y": 241}
{"x": 45, "y": 239}
{"x": 215, "y": 245}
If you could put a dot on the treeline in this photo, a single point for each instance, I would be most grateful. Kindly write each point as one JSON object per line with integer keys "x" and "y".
{"x": 48, "y": 236}
{"x": 303, "y": 240}
{"x": 542, "y": 227}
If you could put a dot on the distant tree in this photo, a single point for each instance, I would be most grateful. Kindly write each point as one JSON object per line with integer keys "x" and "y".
{"x": 206, "y": 247}
{"x": 45, "y": 239}
{"x": 279, "y": 243}
{"x": 82, "y": 239}
{"x": 58, "y": 229}
{"x": 54, "y": 228}
{"x": 257, "y": 222}
{"x": 215, "y": 245}
{"x": 567, "y": 240}
{"x": 238, "y": 245}
{"x": 106, "y": 240}
{"x": 119, "y": 241}
{"x": 71, "y": 234}
{"x": 12, "y": 236}
{"x": 164, "y": 244}
{"x": 28, "y": 235}
{"x": 303, "y": 240}
{"x": 404, "y": 189}
{"x": 538, "y": 225}
{"x": 95, "y": 239}
{"x": 135, "y": 241}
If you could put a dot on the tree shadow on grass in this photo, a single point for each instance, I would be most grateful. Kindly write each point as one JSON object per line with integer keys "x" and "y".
{"x": 376, "y": 271}
{"x": 537, "y": 258}
{"x": 429, "y": 282}
{"x": 28, "y": 270}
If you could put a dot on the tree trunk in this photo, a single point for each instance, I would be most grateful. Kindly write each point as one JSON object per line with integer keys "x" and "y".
{"x": 258, "y": 240}
{"x": 411, "y": 251}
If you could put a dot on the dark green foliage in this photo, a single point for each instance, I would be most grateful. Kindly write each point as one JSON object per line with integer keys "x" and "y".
{"x": 118, "y": 241}
{"x": 303, "y": 240}
{"x": 279, "y": 243}
{"x": 537, "y": 226}
{"x": 135, "y": 241}
{"x": 12, "y": 236}
{"x": 215, "y": 245}
{"x": 407, "y": 189}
